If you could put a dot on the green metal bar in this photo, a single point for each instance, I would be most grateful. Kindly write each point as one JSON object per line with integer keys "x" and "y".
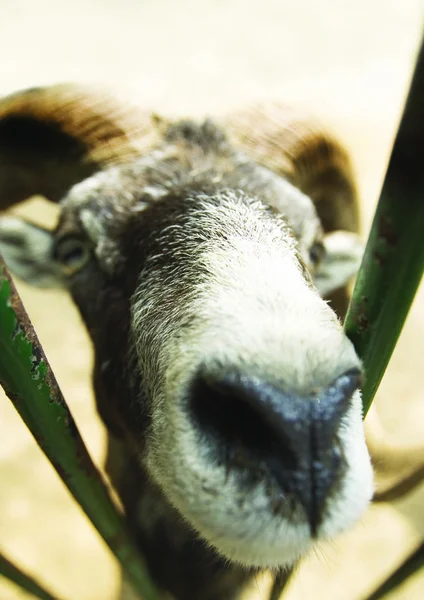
{"x": 7, "y": 569}
{"x": 393, "y": 262}
{"x": 29, "y": 382}
{"x": 280, "y": 584}
{"x": 412, "y": 564}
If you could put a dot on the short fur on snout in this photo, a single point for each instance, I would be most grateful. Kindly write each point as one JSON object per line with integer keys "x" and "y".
{"x": 206, "y": 251}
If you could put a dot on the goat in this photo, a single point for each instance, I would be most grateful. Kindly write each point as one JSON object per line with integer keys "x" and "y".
{"x": 205, "y": 259}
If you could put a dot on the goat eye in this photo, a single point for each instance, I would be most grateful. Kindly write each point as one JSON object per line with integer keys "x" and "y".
{"x": 316, "y": 253}
{"x": 72, "y": 253}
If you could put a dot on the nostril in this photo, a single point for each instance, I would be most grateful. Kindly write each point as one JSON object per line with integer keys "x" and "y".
{"x": 254, "y": 415}
{"x": 233, "y": 423}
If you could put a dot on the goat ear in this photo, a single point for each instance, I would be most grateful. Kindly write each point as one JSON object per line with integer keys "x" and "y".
{"x": 341, "y": 261}
{"x": 53, "y": 137}
{"x": 27, "y": 252}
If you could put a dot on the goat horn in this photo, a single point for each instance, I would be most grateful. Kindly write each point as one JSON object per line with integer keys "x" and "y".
{"x": 294, "y": 146}
{"x": 53, "y": 137}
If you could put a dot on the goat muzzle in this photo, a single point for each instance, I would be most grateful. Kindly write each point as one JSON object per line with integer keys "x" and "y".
{"x": 289, "y": 438}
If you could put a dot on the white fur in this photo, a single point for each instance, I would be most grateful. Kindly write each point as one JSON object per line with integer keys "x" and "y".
{"x": 256, "y": 314}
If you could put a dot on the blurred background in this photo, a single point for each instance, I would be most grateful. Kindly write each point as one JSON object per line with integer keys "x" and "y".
{"x": 349, "y": 62}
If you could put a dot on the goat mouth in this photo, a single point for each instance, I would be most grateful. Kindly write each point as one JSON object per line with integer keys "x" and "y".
{"x": 300, "y": 464}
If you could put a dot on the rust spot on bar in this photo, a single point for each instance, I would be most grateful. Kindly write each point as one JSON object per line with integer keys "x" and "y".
{"x": 362, "y": 323}
{"x": 24, "y": 327}
{"x": 386, "y": 231}
{"x": 379, "y": 259}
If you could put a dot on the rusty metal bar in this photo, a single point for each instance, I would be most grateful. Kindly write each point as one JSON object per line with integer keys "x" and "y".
{"x": 9, "y": 570}
{"x": 393, "y": 262}
{"x": 29, "y": 382}
{"x": 412, "y": 564}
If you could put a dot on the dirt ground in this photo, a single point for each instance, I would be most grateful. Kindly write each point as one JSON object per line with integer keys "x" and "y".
{"x": 348, "y": 62}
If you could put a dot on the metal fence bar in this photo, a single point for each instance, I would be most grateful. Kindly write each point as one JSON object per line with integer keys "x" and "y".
{"x": 281, "y": 583}
{"x": 392, "y": 266}
{"x": 9, "y": 570}
{"x": 393, "y": 262}
{"x": 411, "y": 565}
{"x": 29, "y": 382}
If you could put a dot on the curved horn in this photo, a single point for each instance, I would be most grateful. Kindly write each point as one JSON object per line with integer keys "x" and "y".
{"x": 53, "y": 137}
{"x": 287, "y": 142}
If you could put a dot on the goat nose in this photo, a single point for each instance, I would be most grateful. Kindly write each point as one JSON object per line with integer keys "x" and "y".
{"x": 293, "y": 436}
